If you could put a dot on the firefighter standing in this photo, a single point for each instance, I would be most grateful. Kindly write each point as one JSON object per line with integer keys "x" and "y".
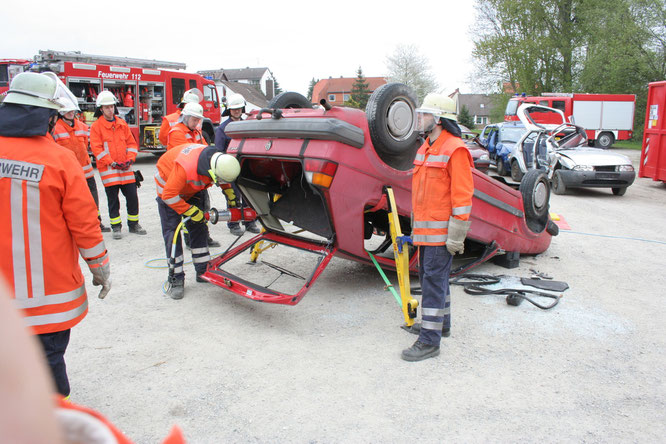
{"x": 442, "y": 189}
{"x": 188, "y": 128}
{"x": 235, "y": 109}
{"x": 183, "y": 175}
{"x": 115, "y": 149}
{"x": 73, "y": 134}
{"x": 48, "y": 218}
{"x": 170, "y": 120}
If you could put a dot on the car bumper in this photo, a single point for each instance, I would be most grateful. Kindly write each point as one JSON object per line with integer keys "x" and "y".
{"x": 597, "y": 179}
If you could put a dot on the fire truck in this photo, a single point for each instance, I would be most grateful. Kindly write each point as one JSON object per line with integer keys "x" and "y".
{"x": 605, "y": 117}
{"x": 146, "y": 90}
{"x": 8, "y": 70}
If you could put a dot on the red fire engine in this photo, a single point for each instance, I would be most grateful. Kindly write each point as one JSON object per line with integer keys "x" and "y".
{"x": 146, "y": 90}
{"x": 605, "y": 117}
{"x": 8, "y": 69}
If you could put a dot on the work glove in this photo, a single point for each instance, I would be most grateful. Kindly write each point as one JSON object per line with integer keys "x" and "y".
{"x": 115, "y": 165}
{"x": 455, "y": 241}
{"x": 231, "y": 197}
{"x": 101, "y": 275}
{"x": 195, "y": 215}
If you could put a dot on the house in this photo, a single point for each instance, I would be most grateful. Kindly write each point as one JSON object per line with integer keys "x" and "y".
{"x": 337, "y": 90}
{"x": 254, "y": 98}
{"x": 261, "y": 78}
{"x": 479, "y": 106}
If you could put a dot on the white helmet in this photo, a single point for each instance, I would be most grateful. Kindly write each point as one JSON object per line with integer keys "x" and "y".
{"x": 224, "y": 167}
{"x": 67, "y": 106}
{"x": 235, "y": 101}
{"x": 43, "y": 90}
{"x": 192, "y": 96}
{"x": 105, "y": 98}
{"x": 439, "y": 105}
{"x": 193, "y": 110}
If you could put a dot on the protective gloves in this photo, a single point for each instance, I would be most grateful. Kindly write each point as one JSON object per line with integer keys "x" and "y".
{"x": 195, "y": 214}
{"x": 231, "y": 197}
{"x": 455, "y": 242}
{"x": 101, "y": 275}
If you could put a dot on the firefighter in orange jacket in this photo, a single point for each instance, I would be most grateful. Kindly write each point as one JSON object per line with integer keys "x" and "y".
{"x": 183, "y": 175}
{"x": 442, "y": 189}
{"x": 114, "y": 147}
{"x": 170, "y": 120}
{"x": 73, "y": 134}
{"x": 48, "y": 218}
{"x": 188, "y": 128}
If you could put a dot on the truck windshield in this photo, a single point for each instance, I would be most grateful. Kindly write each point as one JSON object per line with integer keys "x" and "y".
{"x": 511, "y": 135}
{"x": 511, "y": 108}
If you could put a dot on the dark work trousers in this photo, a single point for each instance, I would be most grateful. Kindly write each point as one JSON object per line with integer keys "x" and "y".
{"x": 92, "y": 186}
{"x": 434, "y": 269}
{"x": 198, "y": 236}
{"x": 131, "y": 198}
{"x": 54, "y": 345}
{"x": 239, "y": 204}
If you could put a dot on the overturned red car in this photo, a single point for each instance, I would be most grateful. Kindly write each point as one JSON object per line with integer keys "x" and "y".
{"x": 316, "y": 178}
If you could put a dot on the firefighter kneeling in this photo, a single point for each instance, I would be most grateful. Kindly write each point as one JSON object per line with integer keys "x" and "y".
{"x": 183, "y": 175}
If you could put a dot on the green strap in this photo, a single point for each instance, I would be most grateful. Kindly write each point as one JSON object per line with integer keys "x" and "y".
{"x": 388, "y": 283}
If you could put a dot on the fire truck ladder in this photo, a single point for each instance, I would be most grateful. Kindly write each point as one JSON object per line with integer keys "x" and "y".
{"x": 76, "y": 56}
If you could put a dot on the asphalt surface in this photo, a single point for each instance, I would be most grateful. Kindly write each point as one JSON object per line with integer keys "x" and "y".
{"x": 227, "y": 369}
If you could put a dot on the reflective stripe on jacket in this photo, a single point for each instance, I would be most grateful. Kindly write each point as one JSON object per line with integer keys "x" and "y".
{"x": 181, "y": 134}
{"x": 48, "y": 218}
{"x": 178, "y": 178}
{"x": 113, "y": 142}
{"x": 75, "y": 139}
{"x": 442, "y": 186}
{"x": 168, "y": 122}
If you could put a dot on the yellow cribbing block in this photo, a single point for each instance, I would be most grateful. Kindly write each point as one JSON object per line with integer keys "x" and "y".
{"x": 554, "y": 216}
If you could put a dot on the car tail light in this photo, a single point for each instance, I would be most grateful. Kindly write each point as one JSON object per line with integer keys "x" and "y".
{"x": 320, "y": 172}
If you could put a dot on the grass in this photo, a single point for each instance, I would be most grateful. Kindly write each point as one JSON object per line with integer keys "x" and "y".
{"x": 629, "y": 144}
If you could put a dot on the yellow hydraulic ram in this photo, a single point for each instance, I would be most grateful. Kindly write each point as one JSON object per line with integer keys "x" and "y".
{"x": 407, "y": 302}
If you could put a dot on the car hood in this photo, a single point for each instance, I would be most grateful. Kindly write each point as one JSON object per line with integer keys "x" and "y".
{"x": 594, "y": 157}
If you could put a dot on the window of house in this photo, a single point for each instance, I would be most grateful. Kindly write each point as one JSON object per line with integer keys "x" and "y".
{"x": 482, "y": 105}
{"x": 331, "y": 97}
{"x": 345, "y": 97}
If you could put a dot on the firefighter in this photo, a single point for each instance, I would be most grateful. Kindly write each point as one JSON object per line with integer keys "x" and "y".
{"x": 170, "y": 120}
{"x": 442, "y": 188}
{"x": 234, "y": 110}
{"x": 73, "y": 134}
{"x": 114, "y": 146}
{"x": 48, "y": 219}
{"x": 188, "y": 128}
{"x": 183, "y": 175}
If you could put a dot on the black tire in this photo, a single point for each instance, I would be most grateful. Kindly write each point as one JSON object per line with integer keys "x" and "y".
{"x": 516, "y": 174}
{"x": 536, "y": 198}
{"x": 605, "y": 140}
{"x": 501, "y": 168}
{"x": 619, "y": 191}
{"x": 552, "y": 228}
{"x": 558, "y": 184}
{"x": 289, "y": 100}
{"x": 390, "y": 114}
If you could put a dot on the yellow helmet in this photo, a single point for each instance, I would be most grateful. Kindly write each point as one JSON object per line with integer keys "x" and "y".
{"x": 439, "y": 105}
{"x": 224, "y": 167}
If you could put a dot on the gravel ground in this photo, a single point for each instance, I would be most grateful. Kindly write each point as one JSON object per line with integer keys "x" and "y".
{"x": 227, "y": 369}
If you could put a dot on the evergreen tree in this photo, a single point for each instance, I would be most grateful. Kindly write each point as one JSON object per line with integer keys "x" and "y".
{"x": 276, "y": 87}
{"x": 313, "y": 82}
{"x": 360, "y": 92}
{"x": 465, "y": 118}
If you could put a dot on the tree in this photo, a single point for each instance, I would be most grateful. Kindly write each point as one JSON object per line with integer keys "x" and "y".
{"x": 360, "y": 92}
{"x": 406, "y": 65}
{"x": 465, "y": 118}
{"x": 313, "y": 82}
{"x": 276, "y": 86}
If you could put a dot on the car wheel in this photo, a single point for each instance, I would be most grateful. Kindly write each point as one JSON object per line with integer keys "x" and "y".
{"x": 501, "y": 169}
{"x": 516, "y": 174}
{"x": 390, "y": 114}
{"x": 619, "y": 191}
{"x": 288, "y": 99}
{"x": 605, "y": 140}
{"x": 536, "y": 196}
{"x": 558, "y": 184}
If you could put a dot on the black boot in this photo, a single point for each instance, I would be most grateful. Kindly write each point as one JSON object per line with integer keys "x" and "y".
{"x": 420, "y": 351}
{"x": 137, "y": 229}
{"x": 104, "y": 228}
{"x": 212, "y": 242}
{"x": 116, "y": 231}
{"x": 176, "y": 287}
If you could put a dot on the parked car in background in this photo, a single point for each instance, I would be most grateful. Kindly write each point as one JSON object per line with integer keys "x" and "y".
{"x": 476, "y": 149}
{"x": 500, "y": 140}
{"x": 569, "y": 162}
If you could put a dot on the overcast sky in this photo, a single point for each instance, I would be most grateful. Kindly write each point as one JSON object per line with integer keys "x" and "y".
{"x": 297, "y": 40}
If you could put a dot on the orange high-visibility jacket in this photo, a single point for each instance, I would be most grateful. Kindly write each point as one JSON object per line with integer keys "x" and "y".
{"x": 48, "y": 218}
{"x": 168, "y": 122}
{"x": 177, "y": 178}
{"x": 113, "y": 142}
{"x": 442, "y": 186}
{"x": 75, "y": 139}
{"x": 181, "y": 134}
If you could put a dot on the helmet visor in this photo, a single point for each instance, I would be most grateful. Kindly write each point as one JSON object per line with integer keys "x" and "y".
{"x": 425, "y": 121}
{"x": 63, "y": 96}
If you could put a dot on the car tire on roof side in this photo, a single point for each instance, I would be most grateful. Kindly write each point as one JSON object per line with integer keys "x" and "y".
{"x": 390, "y": 114}
{"x": 516, "y": 174}
{"x": 289, "y": 99}
{"x": 536, "y": 196}
{"x": 501, "y": 168}
{"x": 558, "y": 184}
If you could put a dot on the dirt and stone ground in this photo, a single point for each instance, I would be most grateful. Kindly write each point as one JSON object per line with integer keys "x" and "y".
{"x": 227, "y": 369}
